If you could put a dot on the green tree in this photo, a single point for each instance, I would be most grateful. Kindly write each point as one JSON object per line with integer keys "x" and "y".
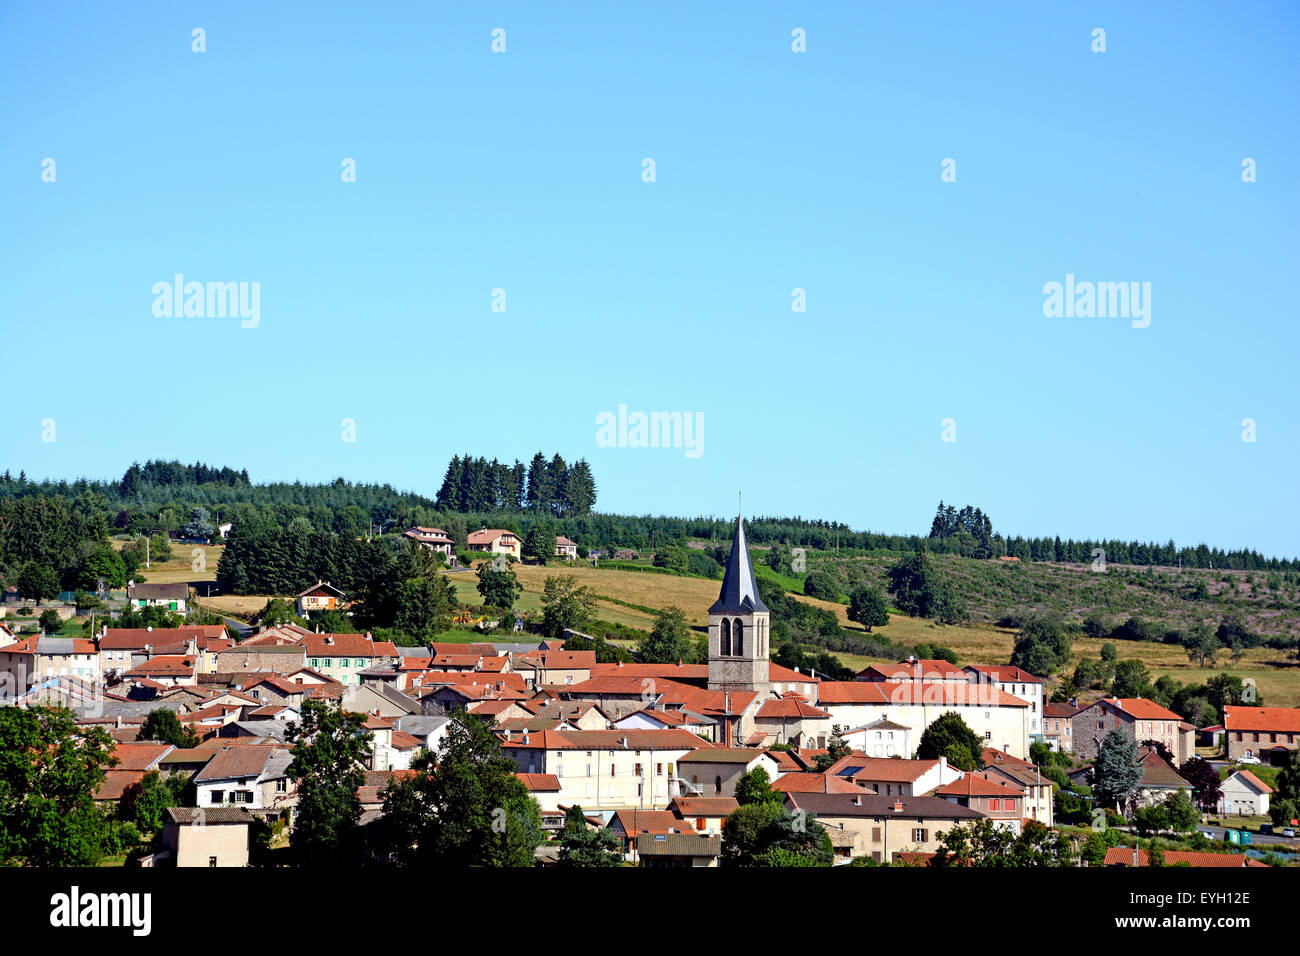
{"x": 539, "y": 544}
{"x": 867, "y": 607}
{"x": 423, "y": 606}
{"x": 565, "y": 604}
{"x": 498, "y": 588}
{"x": 1132, "y": 679}
{"x": 949, "y": 729}
{"x": 672, "y": 557}
{"x": 669, "y": 640}
{"x": 756, "y": 787}
{"x": 148, "y": 801}
{"x": 1094, "y": 849}
{"x": 101, "y": 569}
{"x": 921, "y": 591}
{"x": 1206, "y": 786}
{"x": 164, "y": 726}
{"x": 1116, "y": 771}
{"x": 1181, "y": 812}
{"x": 37, "y": 582}
{"x": 50, "y": 621}
{"x": 820, "y": 585}
{"x": 329, "y": 747}
{"x": 465, "y": 807}
{"x": 1042, "y": 647}
{"x": 765, "y": 834}
{"x": 585, "y": 845}
{"x": 49, "y": 771}
{"x": 1201, "y": 645}
{"x": 200, "y": 524}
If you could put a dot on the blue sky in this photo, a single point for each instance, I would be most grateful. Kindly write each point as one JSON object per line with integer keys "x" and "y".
{"x": 774, "y": 170}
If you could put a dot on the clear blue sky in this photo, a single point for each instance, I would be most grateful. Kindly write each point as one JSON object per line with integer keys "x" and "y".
{"x": 775, "y": 170}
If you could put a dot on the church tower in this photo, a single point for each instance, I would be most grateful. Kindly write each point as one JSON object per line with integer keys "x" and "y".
{"x": 738, "y": 627}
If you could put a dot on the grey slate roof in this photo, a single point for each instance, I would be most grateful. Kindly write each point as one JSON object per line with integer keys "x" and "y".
{"x": 418, "y": 725}
{"x": 739, "y": 593}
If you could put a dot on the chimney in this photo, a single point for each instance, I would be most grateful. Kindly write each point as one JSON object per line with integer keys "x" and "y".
{"x": 898, "y": 806}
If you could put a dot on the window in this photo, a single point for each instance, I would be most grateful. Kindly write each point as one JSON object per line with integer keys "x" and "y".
{"x": 918, "y": 835}
{"x": 212, "y": 861}
{"x": 993, "y": 804}
{"x": 638, "y": 770}
{"x": 738, "y": 639}
{"x": 327, "y": 662}
{"x": 699, "y": 823}
{"x": 218, "y": 796}
{"x": 717, "y": 784}
{"x": 988, "y": 735}
{"x": 282, "y": 785}
{"x": 875, "y": 836}
{"x": 724, "y": 643}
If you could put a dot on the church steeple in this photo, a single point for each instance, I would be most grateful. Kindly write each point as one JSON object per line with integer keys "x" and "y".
{"x": 739, "y": 593}
{"x": 738, "y": 626}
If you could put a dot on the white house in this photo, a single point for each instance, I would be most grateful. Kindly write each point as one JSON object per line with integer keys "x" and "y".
{"x": 1244, "y": 794}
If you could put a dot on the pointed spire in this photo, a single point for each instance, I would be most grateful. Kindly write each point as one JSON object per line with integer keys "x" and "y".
{"x": 739, "y": 593}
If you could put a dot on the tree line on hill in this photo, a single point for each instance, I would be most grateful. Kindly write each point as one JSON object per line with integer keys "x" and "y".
{"x": 546, "y": 487}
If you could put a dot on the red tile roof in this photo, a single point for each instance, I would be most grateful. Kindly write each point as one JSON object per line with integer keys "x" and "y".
{"x": 789, "y": 709}
{"x": 1268, "y": 719}
{"x": 1123, "y": 856}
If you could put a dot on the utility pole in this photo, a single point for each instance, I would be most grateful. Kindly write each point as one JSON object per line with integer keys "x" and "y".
{"x": 146, "y": 551}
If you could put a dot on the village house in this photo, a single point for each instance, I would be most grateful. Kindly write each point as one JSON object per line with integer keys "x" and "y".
{"x": 996, "y": 716}
{"x": 1005, "y": 768}
{"x": 321, "y": 596}
{"x": 37, "y": 659}
{"x": 205, "y": 836}
{"x": 881, "y": 738}
{"x": 566, "y": 548}
{"x": 1244, "y": 794}
{"x": 607, "y": 769}
{"x": 558, "y": 667}
{"x": 862, "y": 824}
{"x": 715, "y": 771}
{"x": 1001, "y": 802}
{"x": 792, "y": 720}
{"x": 892, "y": 777}
{"x": 1018, "y": 683}
{"x": 1135, "y": 717}
{"x": 678, "y": 850}
{"x": 342, "y": 657}
{"x": 171, "y": 597}
{"x": 1058, "y": 726}
{"x": 1269, "y": 733}
{"x": 250, "y": 776}
{"x": 435, "y": 539}
{"x": 703, "y": 814}
{"x": 169, "y": 670}
{"x": 495, "y": 541}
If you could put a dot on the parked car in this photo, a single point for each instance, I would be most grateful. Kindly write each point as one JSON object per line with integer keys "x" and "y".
{"x": 1252, "y": 760}
{"x": 1266, "y": 828}
{"x": 1208, "y": 833}
{"x": 1289, "y": 832}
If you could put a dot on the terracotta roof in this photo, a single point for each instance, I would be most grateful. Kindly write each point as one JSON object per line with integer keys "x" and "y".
{"x": 1254, "y": 781}
{"x": 235, "y": 762}
{"x": 937, "y": 693}
{"x": 1123, "y": 856}
{"x": 541, "y": 782}
{"x": 974, "y": 786}
{"x": 922, "y": 670}
{"x": 646, "y": 821}
{"x": 806, "y": 782}
{"x": 116, "y": 783}
{"x": 786, "y": 708}
{"x": 702, "y": 806}
{"x": 993, "y": 757}
{"x": 1140, "y": 708}
{"x": 1005, "y": 673}
{"x": 862, "y": 803}
{"x": 164, "y": 666}
{"x": 139, "y": 756}
{"x": 1268, "y": 719}
{"x": 347, "y": 645}
{"x": 1059, "y": 710}
{"x": 487, "y": 535}
{"x": 887, "y": 769}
